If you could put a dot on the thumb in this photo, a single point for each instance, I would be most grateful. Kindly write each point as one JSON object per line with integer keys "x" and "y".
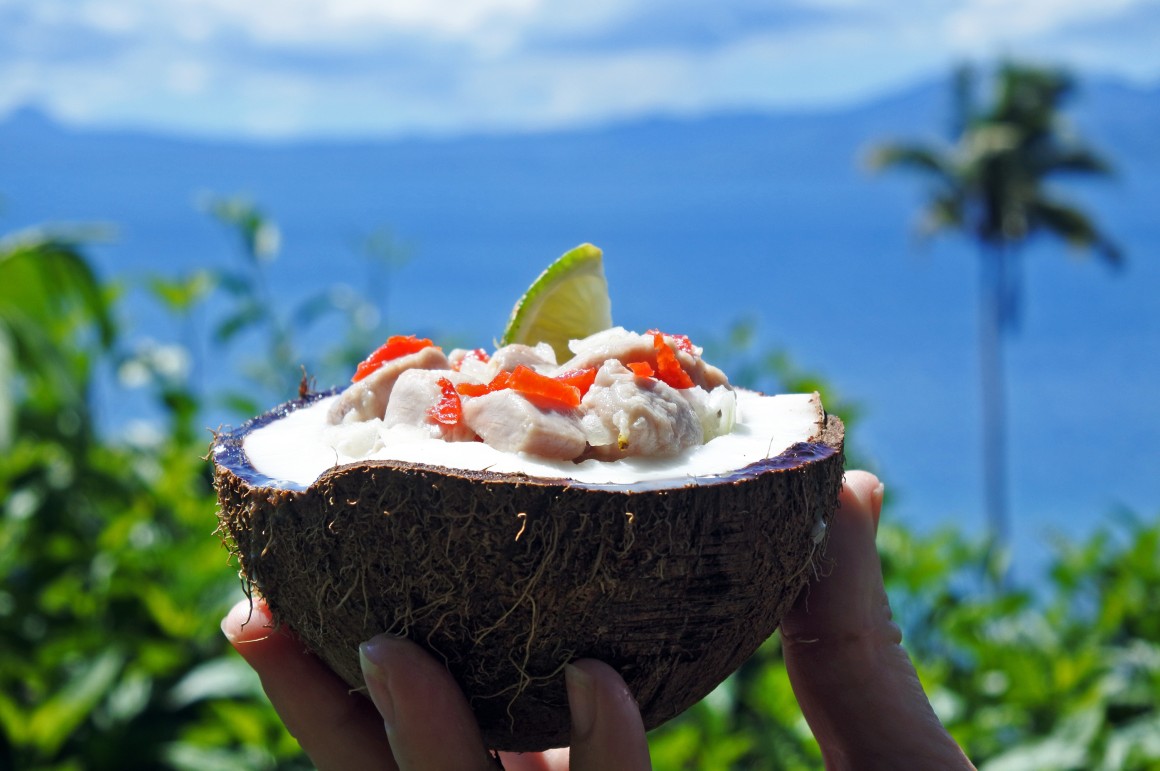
{"x": 854, "y": 681}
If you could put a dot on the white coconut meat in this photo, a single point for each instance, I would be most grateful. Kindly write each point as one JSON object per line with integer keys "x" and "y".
{"x": 298, "y": 448}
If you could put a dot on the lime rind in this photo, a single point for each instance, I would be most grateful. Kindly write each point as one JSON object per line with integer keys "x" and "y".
{"x": 569, "y": 300}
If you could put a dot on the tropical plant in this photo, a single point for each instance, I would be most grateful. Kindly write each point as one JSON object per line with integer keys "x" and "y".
{"x": 254, "y": 319}
{"x": 110, "y": 574}
{"x": 992, "y": 184}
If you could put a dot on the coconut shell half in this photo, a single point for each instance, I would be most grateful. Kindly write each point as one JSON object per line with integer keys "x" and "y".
{"x": 507, "y": 578}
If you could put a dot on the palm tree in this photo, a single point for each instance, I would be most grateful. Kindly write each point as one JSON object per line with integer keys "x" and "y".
{"x": 991, "y": 184}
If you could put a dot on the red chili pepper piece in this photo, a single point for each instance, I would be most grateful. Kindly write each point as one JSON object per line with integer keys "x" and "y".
{"x": 472, "y": 389}
{"x": 668, "y": 368}
{"x": 565, "y": 389}
{"x": 448, "y": 410}
{"x": 682, "y": 342}
{"x": 641, "y": 368}
{"x": 396, "y": 346}
{"x": 581, "y": 378}
{"x": 500, "y": 381}
{"x": 541, "y": 387}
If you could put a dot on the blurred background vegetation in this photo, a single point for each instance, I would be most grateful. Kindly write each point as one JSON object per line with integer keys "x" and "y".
{"x": 113, "y": 579}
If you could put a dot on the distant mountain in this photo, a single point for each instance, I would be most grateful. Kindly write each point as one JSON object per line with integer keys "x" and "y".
{"x": 1113, "y": 111}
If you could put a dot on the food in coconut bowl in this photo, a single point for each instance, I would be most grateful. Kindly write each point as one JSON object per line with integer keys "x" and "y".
{"x": 577, "y": 491}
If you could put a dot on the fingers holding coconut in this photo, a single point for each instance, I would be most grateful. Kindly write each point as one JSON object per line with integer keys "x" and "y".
{"x": 853, "y": 680}
{"x": 607, "y": 730}
{"x": 336, "y": 728}
{"x": 430, "y": 725}
{"x": 848, "y": 601}
{"x": 427, "y": 718}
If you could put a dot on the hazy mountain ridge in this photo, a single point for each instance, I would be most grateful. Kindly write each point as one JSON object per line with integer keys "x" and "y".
{"x": 1112, "y": 111}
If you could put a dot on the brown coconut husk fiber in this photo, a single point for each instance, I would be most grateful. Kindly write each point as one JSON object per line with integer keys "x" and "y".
{"x": 508, "y": 578}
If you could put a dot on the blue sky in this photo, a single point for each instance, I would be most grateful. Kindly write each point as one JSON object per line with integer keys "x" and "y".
{"x": 284, "y": 68}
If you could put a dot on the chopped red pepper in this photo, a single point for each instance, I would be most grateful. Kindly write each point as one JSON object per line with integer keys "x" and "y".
{"x": 498, "y": 383}
{"x": 530, "y": 383}
{"x": 581, "y": 378}
{"x": 448, "y": 410}
{"x": 668, "y": 368}
{"x": 565, "y": 389}
{"x": 641, "y": 368}
{"x": 472, "y": 389}
{"x": 475, "y": 355}
{"x": 501, "y": 381}
{"x": 396, "y": 346}
{"x": 682, "y": 342}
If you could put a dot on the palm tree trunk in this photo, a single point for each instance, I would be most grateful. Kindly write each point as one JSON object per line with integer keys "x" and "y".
{"x": 994, "y": 299}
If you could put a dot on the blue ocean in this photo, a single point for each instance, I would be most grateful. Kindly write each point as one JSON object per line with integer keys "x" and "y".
{"x": 770, "y": 218}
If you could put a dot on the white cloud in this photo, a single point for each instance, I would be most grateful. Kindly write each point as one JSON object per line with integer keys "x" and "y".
{"x": 310, "y": 23}
{"x": 979, "y": 25}
{"x": 366, "y": 66}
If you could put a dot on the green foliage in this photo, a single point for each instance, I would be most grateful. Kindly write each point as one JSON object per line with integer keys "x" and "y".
{"x": 109, "y": 573}
{"x": 47, "y": 289}
{"x": 1062, "y": 679}
{"x": 1066, "y": 679}
{"x": 254, "y": 319}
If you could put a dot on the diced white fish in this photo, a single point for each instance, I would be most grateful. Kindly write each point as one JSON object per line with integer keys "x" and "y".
{"x": 416, "y": 392}
{"x": 700, "y": 371}
{"x": 622, "y": 414}
{"x": 507, "y": 421}
{"x": 716, "y": 409}
{"x": 541, "y": 358}
{"x": 615, "y": 343}
{"x": 367, "y": 398}
{"x": 635, "y": 416}
{"x": 467, "y": 362}
{"x": 624, "y": 346}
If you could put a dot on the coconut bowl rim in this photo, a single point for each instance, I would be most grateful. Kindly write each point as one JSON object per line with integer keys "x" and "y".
{"x": 228, "y": 453}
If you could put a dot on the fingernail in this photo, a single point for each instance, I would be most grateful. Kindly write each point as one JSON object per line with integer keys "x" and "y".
{"x": 244, "y": 622}
{"x": 229, "y": 629}
{"x": 876, "y": 498}
{"x": 371, "y": 655}
{"x": 581, "y": 700}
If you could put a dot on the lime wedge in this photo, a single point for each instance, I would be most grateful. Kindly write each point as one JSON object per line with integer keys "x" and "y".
{"x": 569, "y": 300}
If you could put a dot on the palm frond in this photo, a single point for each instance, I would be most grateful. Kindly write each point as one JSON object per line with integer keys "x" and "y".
{"x": 1074, "y": 227}
{"x": 1072, "y": 160}
{"x": 942, "y": 212}
{"x": 913, "y": 157}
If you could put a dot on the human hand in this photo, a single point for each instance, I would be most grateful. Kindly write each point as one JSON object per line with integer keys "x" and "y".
{"x": 855, "y": 683}
{"x": 420, "y": 718}
{"x": 852, "y": 678}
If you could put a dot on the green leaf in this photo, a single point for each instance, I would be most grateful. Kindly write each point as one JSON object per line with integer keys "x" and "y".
{"x": 7, "y": 390}
{"x": 58, "y": 717}
{"x": 44, "y": 274}
{"x": 261, "y": 238}
{"x": 249, "y": 315}
{"x": 181, "y": 294}
{"x": 222, "y": 678}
